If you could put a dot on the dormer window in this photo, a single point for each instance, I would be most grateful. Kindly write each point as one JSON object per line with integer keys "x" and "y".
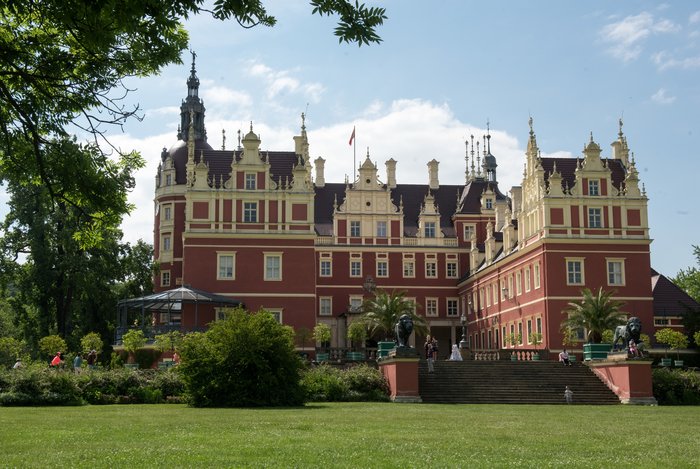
{"x": 430, "y": 229}
{"x": 489, "y": 204}
{"x": 354, "y": 228}
{"x": 593, "y": 188}
{"x": 168, "y": 179}
{"x": 250, "y": 181}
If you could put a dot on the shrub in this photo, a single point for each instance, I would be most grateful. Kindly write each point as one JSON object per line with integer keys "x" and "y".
{"x": 364, "y": 379}
{"x": 91, "y": 341}
{"x": 51, "y": 344}
{"x": 673, "y": 387}
{"x": 246, "y": 360}
{"x": 146, "y": 358}
{"x": 357, "y": 383}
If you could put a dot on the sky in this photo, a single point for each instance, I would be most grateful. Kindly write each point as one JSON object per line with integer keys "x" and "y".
{"x": 443, "y": 70}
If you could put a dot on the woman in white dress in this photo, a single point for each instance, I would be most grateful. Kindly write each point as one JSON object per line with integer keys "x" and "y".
{"x": 455, "y": 354}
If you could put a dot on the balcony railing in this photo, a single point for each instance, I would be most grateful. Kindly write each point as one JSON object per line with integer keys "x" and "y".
{"x": 505, "y": 354}
{"x": 341, "y": 353}
{"x": 150, "y": 332}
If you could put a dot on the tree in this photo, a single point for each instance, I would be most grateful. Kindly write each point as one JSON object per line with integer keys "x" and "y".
{"x": 513, "y": 339}
{"x": 691, "y": 322}
{"x": 536, "y": 339}
{"x": 357, "y": 332}
{"x": 689, "y": 280}
{"x": 382, "y": 313}
{"x": 90, "y": 342}
{"x": 322, "y": 333}
{"x": 676, "y": 340}
{"x": 133, "y": 340}
{"x": 168, "y": 342}
{"x": 62, "y": 67}
{"x": 303, "y": 336}
{"x": 596, "y": 313}
{"x": 52, "y": 344}
{"x": 246, "y": 360}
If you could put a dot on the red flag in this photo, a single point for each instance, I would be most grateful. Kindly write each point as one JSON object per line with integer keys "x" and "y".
{"x": 352, "y": 137}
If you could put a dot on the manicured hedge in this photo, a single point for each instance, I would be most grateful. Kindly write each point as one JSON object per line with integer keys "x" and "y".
{"x": 357, "y": 383}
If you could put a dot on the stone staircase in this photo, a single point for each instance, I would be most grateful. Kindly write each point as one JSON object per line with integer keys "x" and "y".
{"x": 509, "y": 382}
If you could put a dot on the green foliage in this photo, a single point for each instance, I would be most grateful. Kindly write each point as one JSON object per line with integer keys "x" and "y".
{"x": 570, "y": 338}
{"x": 382, "y": 313}
{"x": 168, "y": 342}
{"x": 357, "y": 23}
{"x": 691, "y": 322}
{"x": 146, "y": 358}
{"x": 10, "y": 350}
{"x": 90, "y": 342}
{"x": 52, "y": 344}
{"x": 696, "y": 338}
{"x": 322, "y": 333}
{"x": 689, "y": 280}
{"x": 646, "y": 340}
{"x": 536, "y": 339}
{"x": 596, "y": 313}
{"x": 357, "y": 332}
{"x": 303, "y": 336}
{"x": 607, "y": 336}
{"x": 513, "y": 338}
{"x": 325, "y": 383}
{"x": 249, "y": 359}
{"x": 676, "y": 340}
{"x": 133, "y": 340}
{"x": 676, "y": 386}
{"x": 118, "y": 360}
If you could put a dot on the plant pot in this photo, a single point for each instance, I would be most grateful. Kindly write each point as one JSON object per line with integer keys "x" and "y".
{"x": 383, "y": 348}
{"x": 596, "y": 351}
{"x": 572, "y": 358}
{"x": 678, "y": 362}
{"x": 514, "y": 358}
{"x": 535, "y": 356}
{"x": 666, "y": 362}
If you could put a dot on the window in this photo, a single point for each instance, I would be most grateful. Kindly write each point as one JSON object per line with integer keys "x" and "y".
{"x": 537, "y": 275}
{"x": 518, "y": 283}
{"x": 451, "y": 270}
{"x": 226, "y": 266}
{"x": 430, "y": 229}
{"x": 355, "y": 228}
{"x": 431, "y": 269}
{"x": 520, "y": 332}
{"x": 452, "y": 308}
{"x": 594, "y": 220}
{"x": 539, "y": 325}
{"x": 503, "y": 293}
{"x": 431, "y": 307}
{"x": 273, "y": 265}
{"x": 574, "y": 271}
{"x": 165, "y": 279}
{"x": 277, "y": 315}
{"x": 593, "y": 187}
{"x": 481, "y": 298}
{"x": 408, "y": 269}
{"x": 325, "y": 268}
{"x": 529, "y": 331}
{"x": 356, "y": 304}
{"x": 250, "y": 212}
{"x": 510, "y": 287}
{"x": 580, "y": 335}
{"x": 166, "y": 213}
{"x": 166, "y": 243}
{"x": 164, "y": 317}
{"x": 488, "y": 295}
{"x": 355, "y": 269}
{"x": 381, "y": 229}
{"x": 616, "y": 271}
{"x": 382, "y": 269}
{"x": 483, "y": 341}
{"x": 527, "y": 279}
{"x": 490, "y": 342}
{"x": 468, "y": 232}
{"x": 661, "y": 322}
{"x": 250, "y": 181}
{"x": 489, "y": 204}
{"x": 325, "y": 307}
{"x": 494, "y": 290}
{"x": 168, "y": 180}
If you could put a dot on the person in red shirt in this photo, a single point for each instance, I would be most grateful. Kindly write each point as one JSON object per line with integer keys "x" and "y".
{"x": 57, "y": 359}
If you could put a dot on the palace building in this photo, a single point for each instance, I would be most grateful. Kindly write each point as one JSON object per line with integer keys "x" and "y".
{"x": 266, "y": 228}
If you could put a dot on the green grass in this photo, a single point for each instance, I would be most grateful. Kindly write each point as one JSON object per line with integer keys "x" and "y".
{"x": 353, "y": 435}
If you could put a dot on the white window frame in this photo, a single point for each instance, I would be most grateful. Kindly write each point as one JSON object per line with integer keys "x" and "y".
{"x": 411, "y": 270}
{"x": 595, "y": 215}
{"x": 538, "y": 322}
{"x": 272, "y": 255}
{"x": 352, "y": 273}
{"x": 165, "y": 278}
{"x": 167, "y": 244}
{"x": 571, "y": 262}
{"x": 468, "y": 230}
{"x": 219, "y": 255}
{"x": 321, "y": 301}
{"x": 167, "y": 212}
{"x": 481, "y": 300}
{"x": 428, "y": 302}
{"x": 536, "y": 274}
{"x": 383, "y": 271}
{"x": 355, "y": 302}
{"x": 429, "y": 229}
{"x": 662, "y": 322}
{"x": 611, "y": 261}
{"x": 250, "y": 212}
{"x": 529, "y": 331}
{"x": 593, "y": 186}
{"x": 518, "y": 283}
{"x": 251, "y": 181}
{"x": 452, "y": 312}
{"x": 495, "y": 292}
{"x": 502, "y": 294}
{"x": 511, "y": 293}
{"x": 527, "y": 279}
{"x": 321, "y": 268}
{"x": 431, "y": 269}
{"x": 451, "y": 273}
{"x": 488, "y": 295}
{"x": 355, "y": 229}
{"x": 168, "y": 179}
{"x": 276, "y": 313}
{"x": 489, "y": 204}
{"x": 381, "y": 229}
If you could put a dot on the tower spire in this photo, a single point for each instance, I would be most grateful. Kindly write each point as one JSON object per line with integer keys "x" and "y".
{"x": 192, "y": 103}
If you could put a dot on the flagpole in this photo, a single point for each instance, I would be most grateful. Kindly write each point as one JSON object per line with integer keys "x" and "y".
{"x": 354, "y": 163}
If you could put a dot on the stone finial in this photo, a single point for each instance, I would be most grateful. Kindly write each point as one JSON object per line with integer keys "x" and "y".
{"x": 223, "y": 139}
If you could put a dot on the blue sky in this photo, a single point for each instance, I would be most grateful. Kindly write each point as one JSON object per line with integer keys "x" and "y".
{"x": 444, "y": 68}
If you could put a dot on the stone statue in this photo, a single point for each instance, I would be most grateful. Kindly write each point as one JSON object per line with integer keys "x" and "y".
{"x": 402, "y": 331}
{"x": 631, "y": 331}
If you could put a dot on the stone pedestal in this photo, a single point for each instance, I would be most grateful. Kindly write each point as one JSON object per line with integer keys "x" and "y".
{"x": 466, "y": 354}
{"x": 401, "y": 371}
{"x": 629, "y": 378}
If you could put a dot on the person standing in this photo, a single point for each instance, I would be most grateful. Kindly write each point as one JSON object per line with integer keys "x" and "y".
{"x": 568, "y": 393}
{"x": 92, "y": 358}
{"x": 78, "y": 363}
{"x": 18, "y": 364}
{"x": 56, "y": 360}
{"x": 429, "y": 357}
{"x": 435, "y": 348}
{"x": 456, "y": 357}
{"x": 428, "y": 341}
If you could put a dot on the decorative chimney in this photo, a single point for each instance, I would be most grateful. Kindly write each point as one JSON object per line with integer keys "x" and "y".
{"x": 391, "y": 174}
{"x": 433, "y": 172}
{"x": 320, "y": 180}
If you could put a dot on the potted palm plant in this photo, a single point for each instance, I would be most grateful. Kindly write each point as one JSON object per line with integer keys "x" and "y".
{"x": 597, "y": 313}
{"x": 676, "y": 340}
{"x": 513, "y": 339}
{"x": 381, "y": 313}
{"x": 536, "y": 339}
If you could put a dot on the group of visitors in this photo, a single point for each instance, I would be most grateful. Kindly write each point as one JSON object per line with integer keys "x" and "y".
{"x": 77, "y": 362}
{"x": 431, "y": 351}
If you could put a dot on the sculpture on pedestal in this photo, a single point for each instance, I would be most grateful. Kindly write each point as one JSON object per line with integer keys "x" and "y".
{"x": 402, "y": 331}
{"x": 631, "y": 331}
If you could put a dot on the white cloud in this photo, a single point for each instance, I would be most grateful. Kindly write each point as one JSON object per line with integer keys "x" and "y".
{"x": 627, "y": 35}
{"x": 663, "y": 6}
{"x": 279, "y": 82}
{"x": 661, "y": 59}
{"x": 661, "y": 98}
{"x": 695, "y": 17}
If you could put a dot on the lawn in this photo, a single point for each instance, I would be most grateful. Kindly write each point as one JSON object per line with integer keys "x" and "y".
{"x": 352, "y": 435}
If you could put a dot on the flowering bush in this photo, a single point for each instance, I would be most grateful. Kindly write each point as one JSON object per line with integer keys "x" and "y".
{"x": 357, "y": 383}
